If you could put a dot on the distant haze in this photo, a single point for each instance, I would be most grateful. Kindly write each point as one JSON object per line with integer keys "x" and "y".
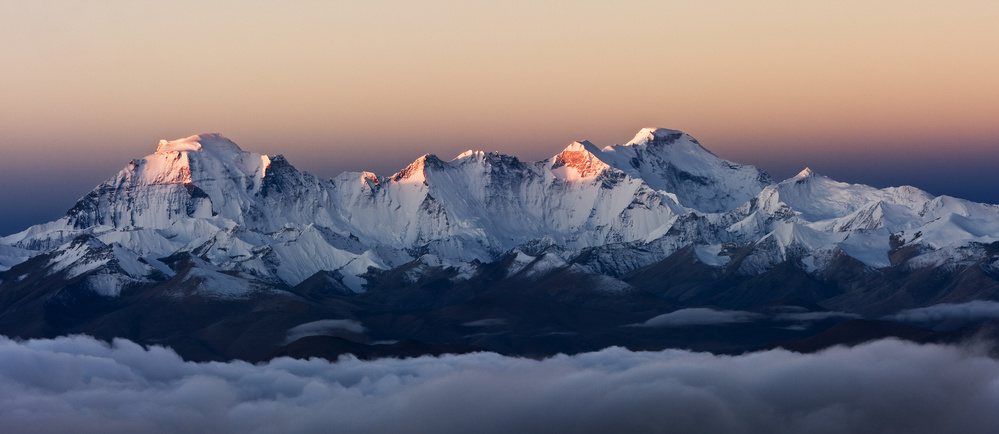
{"x": 884, "y": 93}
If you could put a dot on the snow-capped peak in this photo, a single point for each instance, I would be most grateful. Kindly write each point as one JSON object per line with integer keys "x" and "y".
{"x": 580, "y": 146}
{"x": 811, "y": 176}
{"x": 577, "y": 161}
{"x": 646, "y": 135}
{"x": 415, "y": 171}
{"x": 807, "y": 173}
{"x": 467, "y": 153}
{"x": 217, "y": 156}
{"x": 672, "y": 161}
{"x": 215, "y": 143}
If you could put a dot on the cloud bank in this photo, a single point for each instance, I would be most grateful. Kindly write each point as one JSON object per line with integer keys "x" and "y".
{"x": 699, "y": 316}
{"x": 978, "y": 310}
{"x": 488, "y": 322}
{"x": 816, "y": 316}
{"x": 79, "y": 384}
{"x": 323, "y": 327}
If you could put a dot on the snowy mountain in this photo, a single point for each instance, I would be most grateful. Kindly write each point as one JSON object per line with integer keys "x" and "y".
{"x": 262, "y": 219}
{"x": 200, "y": 216}
{"x": 672, "y": 161}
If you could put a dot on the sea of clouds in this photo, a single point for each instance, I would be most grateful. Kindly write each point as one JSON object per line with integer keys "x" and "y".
{"x": 79, "y": 384}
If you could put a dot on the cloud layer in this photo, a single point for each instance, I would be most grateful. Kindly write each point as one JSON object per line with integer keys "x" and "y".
{"x": 81, "y": 385}
{"x": 978, "y": 310}
{"x": 699, "y": 316}
{"x": 323, "y": 327}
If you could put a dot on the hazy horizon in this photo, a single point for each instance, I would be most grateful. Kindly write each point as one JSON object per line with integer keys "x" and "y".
{"x": 892, "y": 93}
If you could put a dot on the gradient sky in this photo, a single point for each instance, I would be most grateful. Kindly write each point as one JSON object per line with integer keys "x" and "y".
{"x": 884, "y": 93}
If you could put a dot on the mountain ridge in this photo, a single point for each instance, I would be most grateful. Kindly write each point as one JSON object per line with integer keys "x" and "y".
{"x": 204, "y": 184}
{"x": 659, "y": 219}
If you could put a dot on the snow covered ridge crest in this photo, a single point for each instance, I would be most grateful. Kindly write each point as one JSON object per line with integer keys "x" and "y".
{"x": 612, "y": 210}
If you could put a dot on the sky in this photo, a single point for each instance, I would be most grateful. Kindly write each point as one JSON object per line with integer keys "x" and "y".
{"x": 884, "y": 93}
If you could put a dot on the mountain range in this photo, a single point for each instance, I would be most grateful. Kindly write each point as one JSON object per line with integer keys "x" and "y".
{"x": 222, "y": 253}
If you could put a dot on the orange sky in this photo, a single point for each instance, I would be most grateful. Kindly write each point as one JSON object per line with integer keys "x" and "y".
{"x": 372, "y": 85}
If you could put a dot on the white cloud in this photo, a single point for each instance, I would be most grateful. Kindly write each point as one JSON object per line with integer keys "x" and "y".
{"x": 699, "y": 316}
{"x": 80, "y": 385}
{"x": 323, "y": 327}
{"x": 815, "y": 316}
{"x": 972, "y": 311}
{"x": 488, "y": 322}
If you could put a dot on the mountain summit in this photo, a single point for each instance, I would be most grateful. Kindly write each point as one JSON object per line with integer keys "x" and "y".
{"x": 670, "y": 160}
{"x": 576, "y": 162}
{"x": 652, "y": 135}
{"x": 214, "y": 143}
